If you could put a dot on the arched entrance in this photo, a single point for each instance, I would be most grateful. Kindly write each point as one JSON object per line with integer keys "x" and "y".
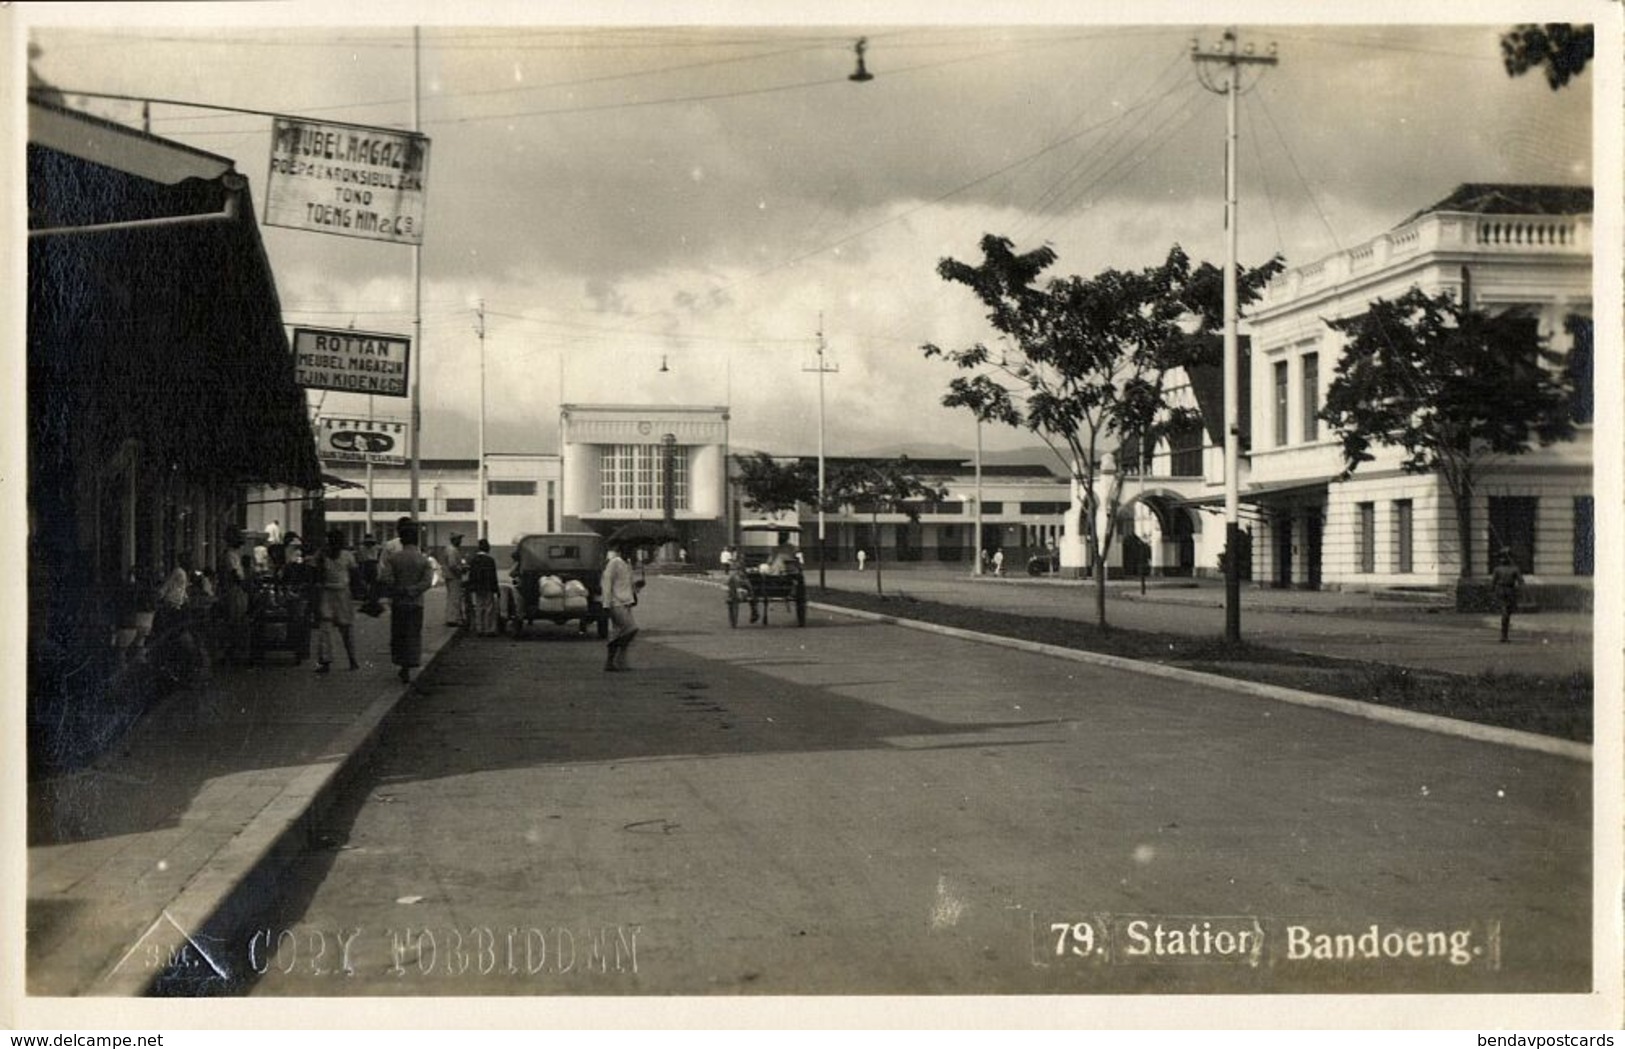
{"x": 1159, "y": 535}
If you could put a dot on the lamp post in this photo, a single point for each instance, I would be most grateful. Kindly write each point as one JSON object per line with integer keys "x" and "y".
{"x": 821, "y": 369}
{"x": 479, "y": 470}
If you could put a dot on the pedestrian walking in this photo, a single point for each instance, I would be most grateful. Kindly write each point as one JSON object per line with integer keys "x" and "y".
{"x": 181, "y": 655}
{"x": 405, "y": 575}
{"x": 998, "y": 561}
{"x": 236, "y": 577}
{"x": 1506, "y": 581}
{"x": 454, "y": 566}
{"x": 863, "y": 556}
{"x": 482, "y": 589}
{"x": 301, "y": 585}
{"x": 337, "y": 572}
{"x": 367, "y": 558}
{"x": 273, "y": 534}
{"x": 619, "y": 593}
{"x": 726, "y": 559}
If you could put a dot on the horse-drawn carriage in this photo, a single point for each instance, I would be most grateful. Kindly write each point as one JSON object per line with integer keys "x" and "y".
{"x": 767, "y": 569}
{"x": 555, "y": 578}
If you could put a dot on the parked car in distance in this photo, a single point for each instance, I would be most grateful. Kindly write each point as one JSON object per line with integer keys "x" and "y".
{"x": 1044, "y": 564}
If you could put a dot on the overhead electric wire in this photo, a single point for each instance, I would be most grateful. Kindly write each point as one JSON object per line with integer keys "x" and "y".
{"x": 1269, "y": 196}
{"x": 1356, "y": 42}
{"x": 1089, "y": 163}
{"x": 1292, "y": 158}
{"x": 551, "y": 85}
{"x": 1151, "y": 146}
{"x": 1119, "y": 132}
{"x": 1046, "y": 42}
{"x": 905, "y": 213}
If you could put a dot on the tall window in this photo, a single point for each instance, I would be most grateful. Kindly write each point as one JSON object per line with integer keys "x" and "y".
{"x": 1311, "y": 396}
{"x": 1585, "y": 560}
{"x": 550, "y": 494}
{"x": 1280, "y": 404}
{"x": 1365, "y": 537}
{"x": 1512, "y": 527}
{"x": 1133, "y": 457}
{"x": 1579, "y": 369}
{"x": 632, "y": 476}
{"x": 1185, "y": 450}
{"x": 1403, "y": 524}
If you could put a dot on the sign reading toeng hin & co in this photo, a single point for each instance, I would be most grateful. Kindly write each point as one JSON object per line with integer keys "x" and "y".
{"x": 345, "y": 179}
{"x": 352, "y": 361}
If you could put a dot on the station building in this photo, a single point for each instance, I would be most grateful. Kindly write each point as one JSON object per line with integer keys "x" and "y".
{"x": 613, "y": 470}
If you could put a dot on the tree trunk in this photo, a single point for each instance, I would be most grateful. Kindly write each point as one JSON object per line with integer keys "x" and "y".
{"x": 874, "y": 520}
{"x": 1464, "y": 526}
{"x": 1100, "y": 588}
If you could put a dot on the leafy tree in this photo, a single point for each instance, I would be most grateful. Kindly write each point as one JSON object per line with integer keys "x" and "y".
{"x": 884, "y": 487}
{"x": 1563, "y": 50}
{"x": 772, "y": 487}
{"x": 1088, "y": 361}
{"x": 1450, "y": 387}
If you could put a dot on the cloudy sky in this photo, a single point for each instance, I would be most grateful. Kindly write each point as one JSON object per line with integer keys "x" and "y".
{"x": 705, "y": 197}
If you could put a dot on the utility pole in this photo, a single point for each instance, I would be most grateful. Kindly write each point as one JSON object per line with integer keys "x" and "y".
{"x": 977, "y": 551}
{"x": 479, "y": 470}
{"x": 417, "y": 303}
{"x": 1231, "y": 58}
{"x": 821, "y": 369}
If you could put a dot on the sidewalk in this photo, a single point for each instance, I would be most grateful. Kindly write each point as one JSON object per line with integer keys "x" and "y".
{"x": 138, "y": 856}
{"x": 1328, "y": 623}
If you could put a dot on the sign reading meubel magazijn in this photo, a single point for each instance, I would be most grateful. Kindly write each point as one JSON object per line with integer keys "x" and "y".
{"x": 352, "y": 361}
{"x": 349, "y": 180}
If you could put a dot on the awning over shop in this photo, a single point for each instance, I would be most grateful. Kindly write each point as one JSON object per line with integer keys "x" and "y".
{"x": 152, "y": 311}
{"x": 1262, "y": 494}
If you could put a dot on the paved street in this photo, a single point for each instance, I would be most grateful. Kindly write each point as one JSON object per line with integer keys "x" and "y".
{"x": 859, "y": 808}
{"x": 1351, "y": 626}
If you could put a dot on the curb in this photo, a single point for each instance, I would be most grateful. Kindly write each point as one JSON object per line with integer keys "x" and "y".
{"x": 233, "y": 885}
{"x": 1353, "y": 707}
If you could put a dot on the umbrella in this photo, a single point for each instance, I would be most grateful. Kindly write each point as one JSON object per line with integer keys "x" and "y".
{"x": 643, "y": 533}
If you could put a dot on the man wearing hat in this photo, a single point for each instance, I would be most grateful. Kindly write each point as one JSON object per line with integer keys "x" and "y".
{"x": 1506, "y": 580}
{"x": 482, "y": 589}
{"x": 455, "y": 566}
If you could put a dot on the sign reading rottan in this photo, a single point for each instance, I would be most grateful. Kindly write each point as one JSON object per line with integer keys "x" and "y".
{"x": 352, "y": 361}
{"x": 362, "y": 441}
{"x": 345, "y": 179}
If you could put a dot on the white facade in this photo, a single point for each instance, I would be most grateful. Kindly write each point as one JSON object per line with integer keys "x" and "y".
{"x": 615, "y": 468}
{"x": 1383, "y": 527}
{"x": 523, "y": 494}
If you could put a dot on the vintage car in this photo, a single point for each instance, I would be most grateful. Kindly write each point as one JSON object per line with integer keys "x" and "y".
{"x": 555, "y": 578}
{"x": 766, "y": 569}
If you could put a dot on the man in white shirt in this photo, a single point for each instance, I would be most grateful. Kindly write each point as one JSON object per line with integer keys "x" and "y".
{"x": 619, "y": 593}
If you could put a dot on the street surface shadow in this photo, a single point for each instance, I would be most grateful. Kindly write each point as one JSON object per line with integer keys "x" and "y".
{"x": 495, "y": 707}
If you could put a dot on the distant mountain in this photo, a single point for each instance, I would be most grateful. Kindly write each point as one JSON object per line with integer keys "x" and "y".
{"x": 1029, "y": 456}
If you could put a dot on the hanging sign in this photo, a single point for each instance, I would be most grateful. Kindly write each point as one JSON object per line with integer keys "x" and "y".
{"x": 349, "y": 180}
{"x": 352, "y": 361}
{"x": 362, "y": 441}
